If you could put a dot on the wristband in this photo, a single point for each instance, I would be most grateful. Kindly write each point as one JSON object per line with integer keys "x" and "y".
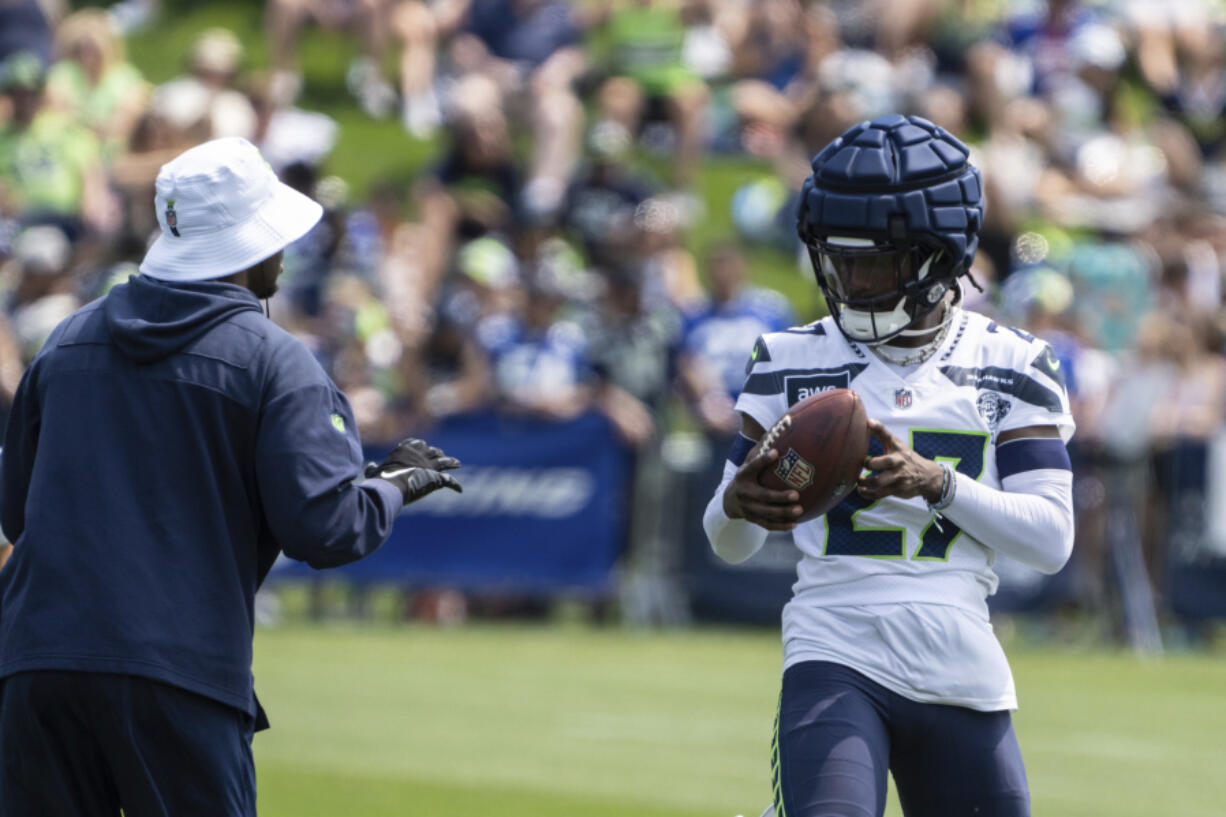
{"x": 949, "y": 488}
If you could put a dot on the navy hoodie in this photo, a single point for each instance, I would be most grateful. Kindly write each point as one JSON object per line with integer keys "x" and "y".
{"x": 165, "y": 445}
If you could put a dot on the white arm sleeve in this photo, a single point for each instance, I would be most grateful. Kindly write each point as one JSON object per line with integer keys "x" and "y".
{"x": 733, "y": 540}
{"x": 1031, "y": 520}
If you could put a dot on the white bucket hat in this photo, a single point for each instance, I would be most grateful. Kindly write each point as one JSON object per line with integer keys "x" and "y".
{"x": 222, "y": 210}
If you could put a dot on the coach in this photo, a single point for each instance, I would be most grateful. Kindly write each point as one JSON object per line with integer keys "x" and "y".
{"x": 168, "y": 442}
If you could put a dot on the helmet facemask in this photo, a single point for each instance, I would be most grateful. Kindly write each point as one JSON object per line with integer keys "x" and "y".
{"x": 878, "y": 291}
{"x": 875, "y": 291}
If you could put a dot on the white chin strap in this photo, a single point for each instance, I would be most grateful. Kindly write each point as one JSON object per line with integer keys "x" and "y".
{"x": 887, "y": 324}
{"x": 866, "y": 327}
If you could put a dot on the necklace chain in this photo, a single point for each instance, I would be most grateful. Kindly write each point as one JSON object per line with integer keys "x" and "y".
{"x": 924, "y": 352}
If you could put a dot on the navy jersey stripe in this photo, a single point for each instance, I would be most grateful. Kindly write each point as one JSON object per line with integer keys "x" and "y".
{"x": 815, "y": 329}
{"x": 760, "y": 354}
{"x": 768, "y": 383}
{"x": 741, "y": 447}
{"x": 998, "y": 378}
{"x": 1031, "y": 454}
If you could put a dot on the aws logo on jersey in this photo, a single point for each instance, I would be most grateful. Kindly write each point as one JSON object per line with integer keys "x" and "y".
{"x": 800, "y": 386}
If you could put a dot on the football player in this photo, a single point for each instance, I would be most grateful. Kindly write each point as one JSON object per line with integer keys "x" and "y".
{"x": 890, "y": 663}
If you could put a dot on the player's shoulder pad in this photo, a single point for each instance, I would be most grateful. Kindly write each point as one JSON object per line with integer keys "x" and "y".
{"x": 1027, "y": 353}
{"x": 784, "y": 342}
{"x": 1003, "y": 345}
{"x": 761, "y": 354}
{"x": 802, "y": 361}
{"x": 1006, "y": 359}
{"x": 1046, "y": 362}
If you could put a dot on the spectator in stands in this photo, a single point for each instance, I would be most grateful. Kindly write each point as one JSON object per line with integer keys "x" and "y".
{"x": 93, "y": 82}
{"x": 418, "y": 27}
{"x": 478, "y": 179}
{"x": 1044, "y": 35}
{"x": 530, "y": 49}
{"x": 310, "y": 261}
{"x": 718, "y": 333}
{"x": 50, "y": 168}
{"x": 632, "y": 340}
{"x": 606, "y": 193}
{"x": 364, "y": 79}
{"x": 27, "y": 25}
{"x": 406, "y": 259}
{"x": 650, "y": 81}
{"x": 777, "y": 50}
{"x": 206, "y": 102}
{"x": 288, "y": 135}
{"x": 539, "y": 356}
{"x": 658, "y": 243}
{"x": 454, "y": 364}
{"x": 632, "y": 336}
{"x": 154, "y": 142}
{"x": 11, "y": 365}
{"x": 364, "y": 357}
{"x": 1193, "y": 91}
{"x": 45, "y": 290}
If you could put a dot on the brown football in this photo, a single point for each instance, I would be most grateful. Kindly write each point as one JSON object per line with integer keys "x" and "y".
{"x": 822, "y": 442}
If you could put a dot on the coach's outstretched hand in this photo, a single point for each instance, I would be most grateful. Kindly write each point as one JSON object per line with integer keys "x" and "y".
{"x": 417, "y": 469}
{"x": 745, "y": 499}
{"x": 899, "y": 471}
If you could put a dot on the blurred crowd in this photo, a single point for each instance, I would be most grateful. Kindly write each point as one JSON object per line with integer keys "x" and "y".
{"x": 541, "y": 260}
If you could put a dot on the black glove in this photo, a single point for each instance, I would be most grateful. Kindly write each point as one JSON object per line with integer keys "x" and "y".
{"x": 416, "y": 469}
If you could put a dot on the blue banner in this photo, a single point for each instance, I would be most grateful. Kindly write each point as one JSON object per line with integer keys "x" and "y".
{"x": 543, "y": 509}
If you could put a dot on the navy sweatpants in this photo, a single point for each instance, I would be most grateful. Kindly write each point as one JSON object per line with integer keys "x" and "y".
{"x": 82, "y": 744}
{"x": 837, "y": 733}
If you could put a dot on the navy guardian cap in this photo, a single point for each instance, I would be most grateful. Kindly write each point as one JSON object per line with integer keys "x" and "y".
{"x": 893, "y": 201}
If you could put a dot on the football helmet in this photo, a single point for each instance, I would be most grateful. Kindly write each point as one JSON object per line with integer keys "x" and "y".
{"x": 891, "y": 217}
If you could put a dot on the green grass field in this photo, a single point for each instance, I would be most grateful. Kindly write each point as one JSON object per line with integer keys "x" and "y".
{"x": 566, "y": 720}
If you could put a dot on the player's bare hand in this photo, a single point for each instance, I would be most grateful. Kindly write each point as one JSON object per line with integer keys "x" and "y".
{"x": 899, "y": 471}
{"x": 745, "y": 499}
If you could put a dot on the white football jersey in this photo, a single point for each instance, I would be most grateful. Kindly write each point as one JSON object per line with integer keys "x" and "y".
{"x": 881, "y": 587}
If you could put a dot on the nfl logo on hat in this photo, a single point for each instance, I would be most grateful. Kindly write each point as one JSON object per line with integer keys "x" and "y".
{"x": 221, "y": 209}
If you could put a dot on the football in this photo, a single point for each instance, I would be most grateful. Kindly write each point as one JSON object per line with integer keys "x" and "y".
{"x": 822, "y": 442}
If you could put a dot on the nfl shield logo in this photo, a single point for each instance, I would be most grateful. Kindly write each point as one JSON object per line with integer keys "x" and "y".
{"x": 902, "y": 398}
{"x": 172, "y": 218}
{"x": 795, "y": 470}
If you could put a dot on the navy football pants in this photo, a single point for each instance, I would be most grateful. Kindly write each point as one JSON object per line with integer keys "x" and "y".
{"x": 837, "y": 733}
{"x": 77, "y": 744}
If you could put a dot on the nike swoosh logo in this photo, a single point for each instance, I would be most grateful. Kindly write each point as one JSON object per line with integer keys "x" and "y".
{"x": 397, "y": 473}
